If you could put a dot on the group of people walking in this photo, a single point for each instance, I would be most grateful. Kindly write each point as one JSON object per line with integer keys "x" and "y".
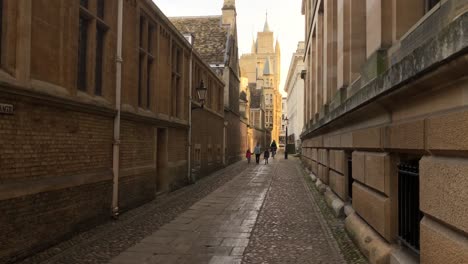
{"x": 258, "y": 152}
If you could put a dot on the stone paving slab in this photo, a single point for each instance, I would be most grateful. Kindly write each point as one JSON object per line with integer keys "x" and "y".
{"x": 214, "y": 230}
{"x": 100, "y": 244}
{"x": 290, "y": 227}
{"x": 241, "y": 214}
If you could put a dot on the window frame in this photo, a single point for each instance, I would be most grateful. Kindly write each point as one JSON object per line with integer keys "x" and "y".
{"x": 90, "y": 22}
{"x": 146, "y": 58}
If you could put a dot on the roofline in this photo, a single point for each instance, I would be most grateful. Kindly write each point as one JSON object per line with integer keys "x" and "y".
{"x": 191, "y": 17}
{"x": 296, "y": 57}
{"x": 159, "y": 14}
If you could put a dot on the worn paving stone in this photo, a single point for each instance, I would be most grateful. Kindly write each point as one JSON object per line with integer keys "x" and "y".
{"x": 106, "y": 241}
{"x": 290, "y": 227}
{"x": 242, "y": 214}
{"x": 230, "y": 208}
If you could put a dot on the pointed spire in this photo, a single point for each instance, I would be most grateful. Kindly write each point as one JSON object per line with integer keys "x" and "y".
{"x": 254, "y": 46}
{"x": 266, "y": 28}
{"x": 267, "y": 70}
{"x": 277, "y": 46}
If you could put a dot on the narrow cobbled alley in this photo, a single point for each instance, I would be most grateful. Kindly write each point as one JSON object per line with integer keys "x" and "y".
{"x": 241, "y": 214}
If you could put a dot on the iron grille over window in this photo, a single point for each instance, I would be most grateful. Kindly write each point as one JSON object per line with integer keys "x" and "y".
{"x": 350, "y": 176}
{"x": 409, "y": 214}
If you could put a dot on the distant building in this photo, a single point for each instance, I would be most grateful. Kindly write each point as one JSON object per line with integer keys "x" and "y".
{"x": 284, "y": 122}
{"x": 295, "y": 100}
{"x": 262, "y": 68}
{"x": 215, "y": 39}
{"x": 386, "y": 123}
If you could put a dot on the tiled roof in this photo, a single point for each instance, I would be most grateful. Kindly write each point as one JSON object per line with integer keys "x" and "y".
{"x": 210, "y": 36}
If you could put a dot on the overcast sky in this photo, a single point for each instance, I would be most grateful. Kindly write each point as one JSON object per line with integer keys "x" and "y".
{"x": 284, "y": 17}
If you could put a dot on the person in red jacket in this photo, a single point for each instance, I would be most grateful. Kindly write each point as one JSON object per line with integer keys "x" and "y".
{"x": 248, "y": 155}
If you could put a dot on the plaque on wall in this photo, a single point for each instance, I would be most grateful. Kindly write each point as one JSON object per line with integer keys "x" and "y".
{"x": 6, "y": 109}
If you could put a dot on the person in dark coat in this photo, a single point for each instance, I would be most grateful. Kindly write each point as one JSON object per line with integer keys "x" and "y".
{"x": 266, "y": 155}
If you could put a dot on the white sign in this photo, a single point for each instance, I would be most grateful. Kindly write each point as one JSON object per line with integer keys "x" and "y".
{"x": 6, "y": 109}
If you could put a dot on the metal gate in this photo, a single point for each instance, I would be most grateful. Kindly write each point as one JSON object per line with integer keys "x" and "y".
{"x": 350, "y": 177}
{"x": 409, "y": 214}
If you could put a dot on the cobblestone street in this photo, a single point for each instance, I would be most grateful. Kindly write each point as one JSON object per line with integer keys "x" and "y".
{"x": 241, "y": 214}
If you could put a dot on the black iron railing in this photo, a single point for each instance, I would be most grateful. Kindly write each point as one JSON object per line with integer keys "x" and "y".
{"x": 409, "y": 214}
{"x": 350, "y": 177}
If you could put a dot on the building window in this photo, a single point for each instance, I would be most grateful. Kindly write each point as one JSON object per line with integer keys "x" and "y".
{"x": 82, "y": 52}
{"x": 141, "y": 82}
{"x": 176, "y": 79}
{"x": 1, "y": 28}
{"x": 146, "y": 59}
{"x": 99, "y": 59}
{"x": 84, "y": 3}
{"x": 100, "y": 9}
{"x": 210, "y": 154}
{"x": 197, "y": 158}
{"x": 431, "y": 4}
{"x": 409, "y": 214}
{"x": 86, "y": 18}
{"x": 350, "y": 176}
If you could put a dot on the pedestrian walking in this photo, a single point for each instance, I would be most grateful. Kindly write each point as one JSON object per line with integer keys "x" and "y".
{"x": 274, "y": 147}
{"x": 257, "y": 152}
{"x": 266, "y": 155}
{"x": 248, "y": 155}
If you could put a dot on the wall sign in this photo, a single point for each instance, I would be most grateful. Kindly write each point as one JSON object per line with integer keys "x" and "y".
{"x": 6, "y": 109}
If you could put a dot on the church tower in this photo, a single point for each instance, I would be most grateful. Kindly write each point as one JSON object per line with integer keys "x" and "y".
{"x": 262, "y": 67}
{"x": 265, "y": 39}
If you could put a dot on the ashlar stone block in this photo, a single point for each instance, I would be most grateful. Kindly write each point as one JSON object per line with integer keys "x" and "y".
{"x": 441, "y": 245}
{"x": 444, "y": 190}
{"x": 375, "y": 209}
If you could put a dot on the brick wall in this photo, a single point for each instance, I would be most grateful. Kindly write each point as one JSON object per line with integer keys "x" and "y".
{"x": 34, "y": 222}
{"x": 45, "y": 151}
{"x": 207, "y": 133}
{"x": 234, "y": 147}
{"x": 41, "y": 141}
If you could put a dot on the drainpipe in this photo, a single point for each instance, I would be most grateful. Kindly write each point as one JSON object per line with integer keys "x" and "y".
{"x": 189, "y": 156}
{"x": 118, "y": 90}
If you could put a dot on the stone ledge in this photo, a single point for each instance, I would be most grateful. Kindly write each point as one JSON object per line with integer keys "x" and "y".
{"x": 320, "y": 186}
{"x": 403, "y": 256}
{"x": 334, "y": 202}
{"x": 371, "y": 244}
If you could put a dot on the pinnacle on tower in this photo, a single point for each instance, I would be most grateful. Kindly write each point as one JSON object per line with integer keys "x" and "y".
{"x": 266, "y": 28}
{"x": 229, "y": 4}
{"x": 254, "y": 46}
{"x": 267, "y": 70}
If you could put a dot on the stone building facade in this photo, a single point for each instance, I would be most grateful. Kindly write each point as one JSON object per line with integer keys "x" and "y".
{"x": 74, "y": 149}
{"x": 215, "y": 39}
{"x": 262, "y": 68}
{"x": 386, "y": 123}
{"x": 295, "y": 100}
